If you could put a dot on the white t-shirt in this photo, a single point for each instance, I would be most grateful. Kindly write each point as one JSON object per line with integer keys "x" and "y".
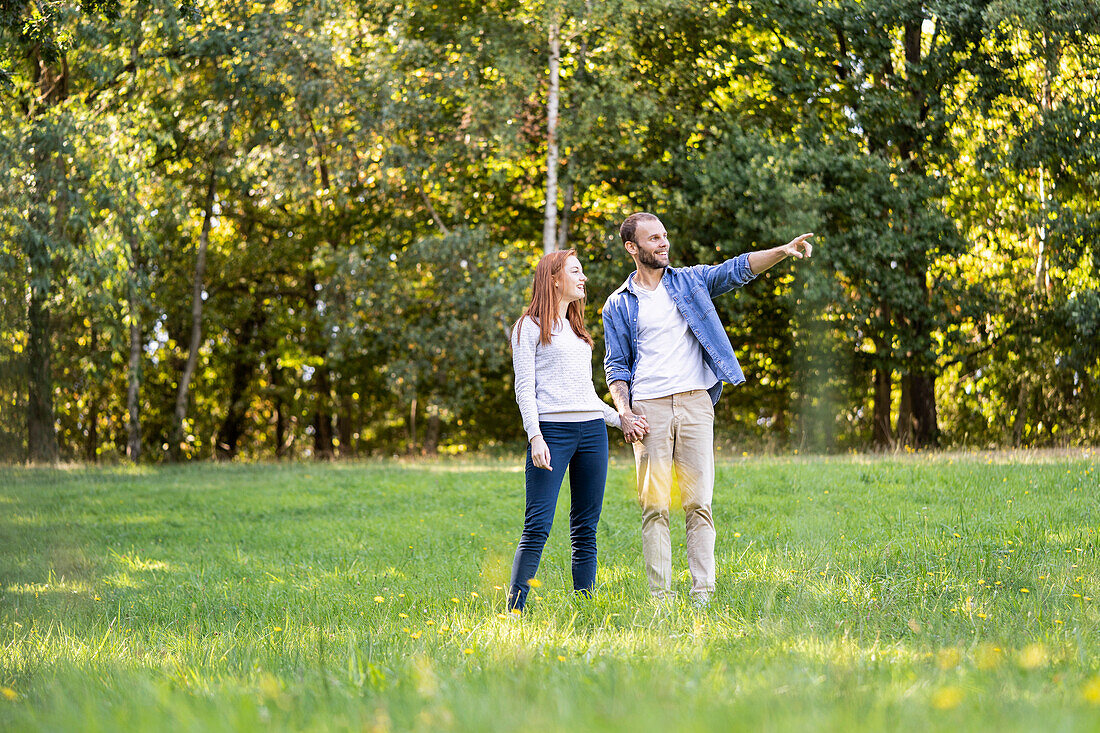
{"x": 670, "y": 358}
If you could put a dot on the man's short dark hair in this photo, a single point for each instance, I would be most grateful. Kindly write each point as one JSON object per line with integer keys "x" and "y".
{"x": 626, "y": 231}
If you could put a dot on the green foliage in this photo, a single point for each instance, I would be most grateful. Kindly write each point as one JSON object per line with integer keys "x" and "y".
{"x": 946, "y": 157}
{"x": 1082, "y": 324}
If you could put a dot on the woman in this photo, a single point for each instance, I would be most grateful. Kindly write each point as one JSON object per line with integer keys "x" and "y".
{"x": 564, "y": 420}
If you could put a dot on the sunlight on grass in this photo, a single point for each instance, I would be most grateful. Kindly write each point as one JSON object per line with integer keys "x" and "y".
{"x": 853, "y": 592}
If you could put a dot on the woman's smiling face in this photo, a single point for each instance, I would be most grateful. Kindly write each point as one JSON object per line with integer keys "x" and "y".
{"x": 571, "y": 281}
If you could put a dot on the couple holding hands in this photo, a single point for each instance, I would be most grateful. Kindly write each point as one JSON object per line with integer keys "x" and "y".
{"x": 667, "y": 355}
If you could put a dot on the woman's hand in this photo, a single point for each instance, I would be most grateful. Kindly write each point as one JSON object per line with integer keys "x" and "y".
{"x": 540, "y": 453}
{"x": 634, "y": 426}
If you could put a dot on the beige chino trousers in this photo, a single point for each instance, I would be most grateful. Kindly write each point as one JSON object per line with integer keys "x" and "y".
{"x": 680, "y": 440}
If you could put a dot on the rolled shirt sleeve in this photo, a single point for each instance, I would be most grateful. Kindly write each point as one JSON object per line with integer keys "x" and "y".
{"x": 724, "y": 277}
{"x": 616, "y": 345}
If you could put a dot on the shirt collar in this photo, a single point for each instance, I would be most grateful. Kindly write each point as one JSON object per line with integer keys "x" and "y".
{"x": 629, "y": 284}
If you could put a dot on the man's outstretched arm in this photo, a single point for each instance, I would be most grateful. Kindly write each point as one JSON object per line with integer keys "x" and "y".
{"x": 767, "y": 258}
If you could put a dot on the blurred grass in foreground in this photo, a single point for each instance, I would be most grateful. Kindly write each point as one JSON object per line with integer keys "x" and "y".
{"x": 956, "y": 590}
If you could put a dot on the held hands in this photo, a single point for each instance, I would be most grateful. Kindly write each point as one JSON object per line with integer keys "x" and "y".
{"x": 634, "y": 427}
{"x": 540, "y": 453}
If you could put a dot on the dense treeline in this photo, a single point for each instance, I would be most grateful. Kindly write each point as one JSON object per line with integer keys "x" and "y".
{"x": 277, "y": 229}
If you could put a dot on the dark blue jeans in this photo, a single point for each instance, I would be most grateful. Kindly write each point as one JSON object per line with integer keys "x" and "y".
{"x": 582, "y": 447}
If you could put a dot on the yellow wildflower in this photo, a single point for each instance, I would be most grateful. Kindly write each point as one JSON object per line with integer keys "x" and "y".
{"x": 948, "y": 658}
{"x": 1033, "y": 656}
{"x": 947, "y": 698}
{"x": 1091, "y": 691}
{"x": 988, "y": 656}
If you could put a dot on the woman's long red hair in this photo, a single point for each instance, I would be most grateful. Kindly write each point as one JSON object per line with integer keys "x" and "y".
{"x": 544, "y": 299}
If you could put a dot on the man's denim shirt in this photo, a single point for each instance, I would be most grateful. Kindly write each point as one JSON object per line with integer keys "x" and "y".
{"x": 693, "y": 290}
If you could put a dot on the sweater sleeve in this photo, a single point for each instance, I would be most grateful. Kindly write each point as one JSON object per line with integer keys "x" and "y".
{"x": 524, "y": 342}
{"x": 610, "y": 416}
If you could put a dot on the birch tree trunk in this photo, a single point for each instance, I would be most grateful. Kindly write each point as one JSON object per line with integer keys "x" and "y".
{"x": 176, "y": 439}
{"x": 1052, "y": 53}
{"x": 133, "y": 373}
{"x": 136, "y": 277}
{"x": 550, "y": 219}
{"x": 570, "y": 166}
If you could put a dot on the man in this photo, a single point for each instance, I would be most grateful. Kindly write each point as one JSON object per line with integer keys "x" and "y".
{"x": 667, "y": 357}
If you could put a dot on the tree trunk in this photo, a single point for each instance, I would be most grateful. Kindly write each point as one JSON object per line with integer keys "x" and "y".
{"x": 175, "y": 442}
{"x": 345, "y": 429}
{"x": 410, "y": 428}
{"x": 566, "y": 208}
{"x": 133, "y": 424}
{"x": 1020, "y": 419}
{"x": 280, "y": 412}
{"x": 323, "y": 448}
{"x": 882, "y": 435}
{"x": 570, "y": 174}
{"x": 432, "y": 431}
{"x": 906, "y": 429}
{"x": 923, "y": 405}
{"x": 51, "y": 84}
{"x": 133, "y": 373}
{"x": 1052, "y": 52}
{"x": 227, "y": 445}
{"x": 280, "y": 429}
{"x": 322, "y": 416}
{"x": 549, "y": 227}
{"x": 41, "y": 431}
{"x": 91, "y": 440}
{"x": 922, "y": 380}
{"x": 91, "y": 420}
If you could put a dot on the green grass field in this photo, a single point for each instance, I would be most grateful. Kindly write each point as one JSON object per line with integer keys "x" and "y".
{"x": 943, "y": 592}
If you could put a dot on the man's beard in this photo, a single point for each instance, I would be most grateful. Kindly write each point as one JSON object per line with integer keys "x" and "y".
{"x": 649, "y": 259}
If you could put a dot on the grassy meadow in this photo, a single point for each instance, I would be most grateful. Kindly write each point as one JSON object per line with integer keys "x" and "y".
{"x": 910, "y": 592}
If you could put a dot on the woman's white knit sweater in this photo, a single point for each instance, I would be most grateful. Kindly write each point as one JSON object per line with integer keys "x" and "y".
{"x": 554, "y": 381}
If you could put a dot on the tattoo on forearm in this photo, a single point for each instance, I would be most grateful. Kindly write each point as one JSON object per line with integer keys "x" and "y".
{"x": 620, "y": 395}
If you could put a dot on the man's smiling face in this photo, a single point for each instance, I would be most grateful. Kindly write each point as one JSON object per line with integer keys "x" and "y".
{"x": 652, "y": 244}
